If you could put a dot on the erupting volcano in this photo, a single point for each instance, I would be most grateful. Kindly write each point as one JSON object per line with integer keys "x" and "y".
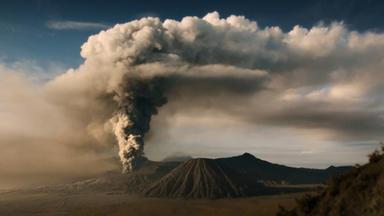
{"x": 138, "y": 101}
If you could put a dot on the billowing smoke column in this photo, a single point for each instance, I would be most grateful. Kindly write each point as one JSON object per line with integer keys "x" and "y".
{"x": 137, "y": 102}
{"x": 130, "y": 69}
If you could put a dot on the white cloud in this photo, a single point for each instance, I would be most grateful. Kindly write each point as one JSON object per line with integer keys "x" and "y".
{"x": 75, "y": 25}
{"x": 35, "y": 71}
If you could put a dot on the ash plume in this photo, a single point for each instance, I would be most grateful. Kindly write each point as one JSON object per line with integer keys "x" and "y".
{"x": 138, "y": 64}
{"x": 131, "y": 69}
{"x": 137, "y": 101}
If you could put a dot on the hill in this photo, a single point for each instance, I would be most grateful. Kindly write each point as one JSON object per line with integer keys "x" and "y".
{"x": 197, "y": 178}
{"x": 357, "y": 192}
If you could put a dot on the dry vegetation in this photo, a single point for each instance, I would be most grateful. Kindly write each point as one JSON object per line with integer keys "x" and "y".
{"x": 358, "y": 192}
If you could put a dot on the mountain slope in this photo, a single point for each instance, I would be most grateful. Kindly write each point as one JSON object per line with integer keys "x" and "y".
{"x": 197, "y": 178}
{"x": 357, "y": 192}
{"x": 115, "y": 181}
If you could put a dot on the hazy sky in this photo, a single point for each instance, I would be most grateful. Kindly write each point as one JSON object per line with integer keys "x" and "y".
{"x": 292, "y": 82}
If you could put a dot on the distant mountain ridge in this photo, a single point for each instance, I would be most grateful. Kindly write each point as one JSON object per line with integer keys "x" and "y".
{"x": 263, "y": 170}
{"x": 243, "y": 175}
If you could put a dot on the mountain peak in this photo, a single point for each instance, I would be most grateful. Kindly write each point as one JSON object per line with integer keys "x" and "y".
{"x": 247, "y": 155}
{"x": 197, "y": 178}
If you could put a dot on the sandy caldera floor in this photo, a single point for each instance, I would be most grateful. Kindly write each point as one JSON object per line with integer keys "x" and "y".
{"x": 95, "y": 204}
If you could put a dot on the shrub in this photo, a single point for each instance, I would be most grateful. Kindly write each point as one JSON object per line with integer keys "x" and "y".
{"x": 375, "y": 156}
{"x": 307, "y": 203}
{"x": 284, "y": 212}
